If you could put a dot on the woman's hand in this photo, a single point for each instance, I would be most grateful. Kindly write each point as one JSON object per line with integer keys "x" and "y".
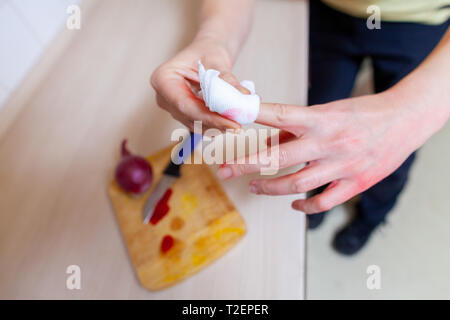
{"x": 176, "y": 81}
{"x": 354, "y": 143}
{"x": 349, "y": 144}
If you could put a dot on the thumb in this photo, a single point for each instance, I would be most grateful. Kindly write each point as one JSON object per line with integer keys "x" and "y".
{"x": 227, "y": 75}
{"x": 231, "y": 79}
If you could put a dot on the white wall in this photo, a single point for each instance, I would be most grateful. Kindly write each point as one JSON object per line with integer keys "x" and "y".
{"x": 26, "y": 29}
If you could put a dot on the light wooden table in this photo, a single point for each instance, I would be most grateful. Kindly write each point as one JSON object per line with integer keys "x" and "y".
{"x": 60, "y": 135}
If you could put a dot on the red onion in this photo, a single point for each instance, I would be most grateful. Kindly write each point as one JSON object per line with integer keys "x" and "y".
{"x": 133, "y": 173}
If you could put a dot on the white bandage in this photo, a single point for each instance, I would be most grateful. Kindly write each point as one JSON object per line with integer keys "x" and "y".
{"x": 223, "y": 98}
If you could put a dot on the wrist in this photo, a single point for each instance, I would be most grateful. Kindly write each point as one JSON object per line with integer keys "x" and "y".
{"x": 213, "y": 52}
{"x": 214, "y": 29}
{"x": 419, "y": 109}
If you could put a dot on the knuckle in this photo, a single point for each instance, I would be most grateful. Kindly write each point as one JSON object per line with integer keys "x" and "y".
{"x": 305, "y": 185}
{"x": 281, "y": 112}
{"x": 298, "y": 187}
{"x": 322, "y": 147}
{"x": 264, "y": 187}
{"x": 181, "y": 106}
{"x": 238, "y": 170}
{"x": 225, "y": 75}
{"x": 272, "y": 187}
{"x": 283, "y": 157}
{"x": 355, "y": 166}
{"x": 322, "y": 204}
{"x": 154, "y": 78}
{"x": 347, "y": 142}
{"x": 362, "y": 182}
{"x": 228, "y": 77}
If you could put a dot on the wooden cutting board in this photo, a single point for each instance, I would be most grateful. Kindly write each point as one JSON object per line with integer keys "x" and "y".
{"x": 202, "y": 220}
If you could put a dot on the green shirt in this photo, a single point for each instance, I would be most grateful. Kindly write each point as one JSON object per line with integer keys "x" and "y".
{"x": 421, "y": 11}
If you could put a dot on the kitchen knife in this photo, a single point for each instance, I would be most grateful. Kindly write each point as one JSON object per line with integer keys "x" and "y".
{"x": 170, "y": 174}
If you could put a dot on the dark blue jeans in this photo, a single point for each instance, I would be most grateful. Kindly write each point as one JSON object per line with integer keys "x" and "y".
{"x": 338, "y": 45}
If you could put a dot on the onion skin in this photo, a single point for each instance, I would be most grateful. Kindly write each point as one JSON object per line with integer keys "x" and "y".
{"x": 133, "y": 173}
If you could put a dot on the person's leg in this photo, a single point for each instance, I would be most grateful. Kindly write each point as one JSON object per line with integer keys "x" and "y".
{"x": 396, "y": 50}
{"x": 334, "y": 60}
{"x": 334, "y": 55}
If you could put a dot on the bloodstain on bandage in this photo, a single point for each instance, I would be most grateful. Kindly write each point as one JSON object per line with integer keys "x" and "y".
{"x": 161, "y": 208}
{"x": 225, "y": 99}
{"x": 232, "y": 114}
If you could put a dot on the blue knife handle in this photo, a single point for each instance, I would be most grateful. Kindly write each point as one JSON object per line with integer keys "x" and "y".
{"x": 186, "y": 148}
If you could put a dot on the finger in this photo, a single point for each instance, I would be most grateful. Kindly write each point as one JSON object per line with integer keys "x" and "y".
{"x": 180, "y": 101}
{"x": 306, "y": 179}
{"x": 278, "y": 157}
{"x": 282, "y": 137}
{"x": 215, "y": 122}
{"x": 285, "y": 116}
{"x": 195, "y": 88}
{"x": 231, "y": 79}
{"x": 336, "y": 193}
{"x": 190, "y": 74}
